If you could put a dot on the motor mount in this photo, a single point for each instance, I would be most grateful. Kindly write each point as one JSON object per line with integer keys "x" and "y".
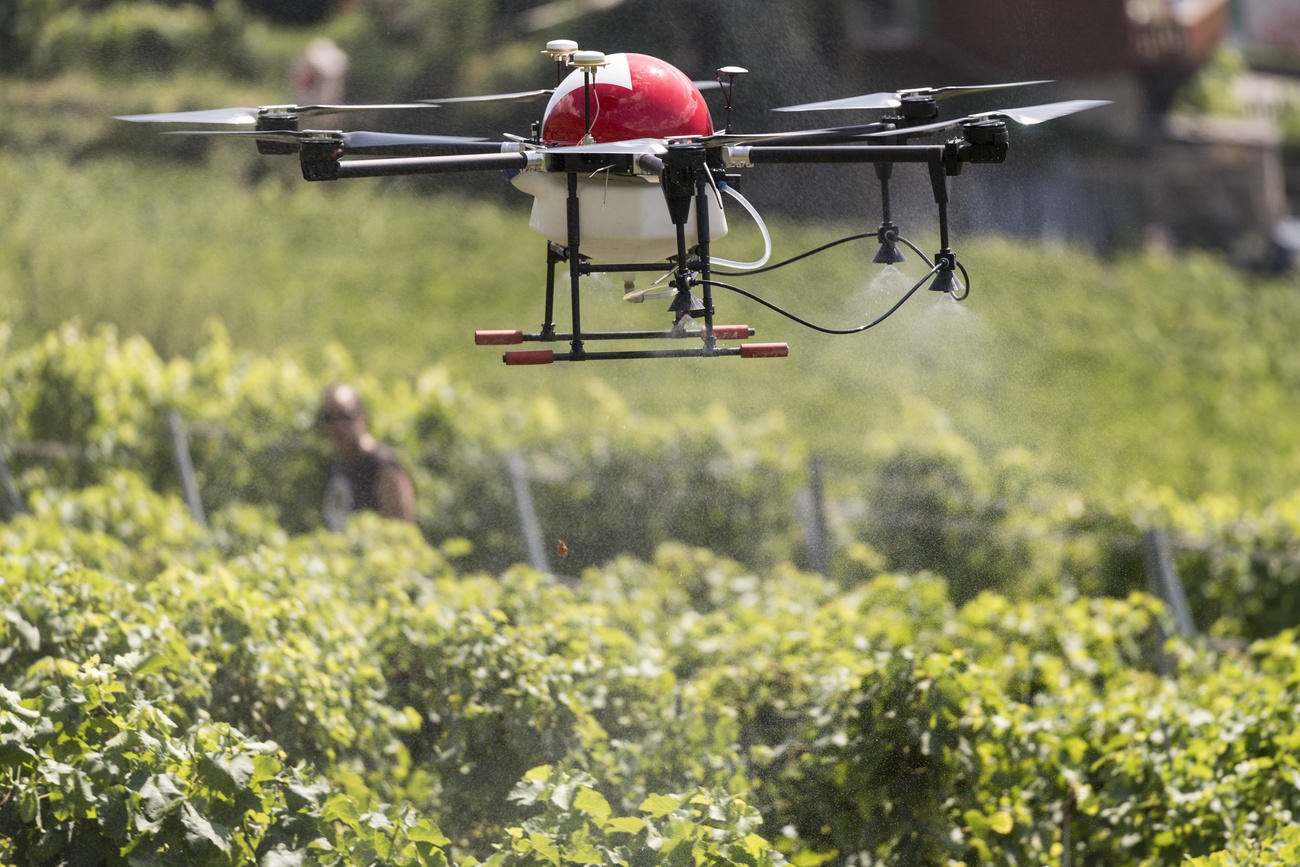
{"x": 985, "y": 141}
{"x": 276, "y": 121}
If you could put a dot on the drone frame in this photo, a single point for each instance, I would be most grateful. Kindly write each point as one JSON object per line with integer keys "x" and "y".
{"x": 688, "y": 170}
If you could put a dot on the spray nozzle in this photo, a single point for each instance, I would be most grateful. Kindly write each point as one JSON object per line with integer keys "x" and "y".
{"x": 945, "y": 278}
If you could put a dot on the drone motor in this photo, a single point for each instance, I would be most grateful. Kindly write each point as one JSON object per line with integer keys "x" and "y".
{"x": 267, "y": 121}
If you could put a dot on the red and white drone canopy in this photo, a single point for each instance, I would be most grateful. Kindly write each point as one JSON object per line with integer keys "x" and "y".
{"x": 633, "y": 96}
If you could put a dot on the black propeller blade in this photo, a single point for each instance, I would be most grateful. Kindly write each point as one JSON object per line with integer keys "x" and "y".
{"x": 364, "y": 142}
{"x": 893, "y": 99}
{"x": 823, "y": 135}
{"x": 250, "y": 114}
{"x": 247, "y": 115}
{"x": 520, "y": 96}
{"x": 1028, "y": 115}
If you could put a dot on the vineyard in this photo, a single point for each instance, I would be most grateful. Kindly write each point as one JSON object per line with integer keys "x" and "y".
{"x": 1014, "y": 582}
{"x": 979, "y": 678}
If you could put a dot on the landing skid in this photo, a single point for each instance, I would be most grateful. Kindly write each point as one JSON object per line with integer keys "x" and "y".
{"x": 685, "y": 178}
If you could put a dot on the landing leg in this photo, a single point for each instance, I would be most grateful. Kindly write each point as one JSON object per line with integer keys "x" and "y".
{"x": 553, "y": 258}
{"x": 702, "y": 190}
{"x": 575, "y": 300}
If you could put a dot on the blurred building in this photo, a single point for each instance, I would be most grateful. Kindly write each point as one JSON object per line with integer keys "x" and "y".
{"x": 1269, "y": 30}
{"x": 1144, "y": 49}
{"x": 1110, "y": 177}
{"x": 1271, "y": 24}
{"x": 1130, "y": 171}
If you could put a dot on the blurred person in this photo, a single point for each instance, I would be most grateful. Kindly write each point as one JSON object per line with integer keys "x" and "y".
{"x": 365, "y": 474}
{"x": 316, "y": 76}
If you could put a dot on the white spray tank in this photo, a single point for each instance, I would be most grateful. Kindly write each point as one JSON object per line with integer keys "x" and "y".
{"x": 621, "y": 220}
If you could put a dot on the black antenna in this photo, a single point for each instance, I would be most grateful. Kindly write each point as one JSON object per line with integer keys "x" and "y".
{"x": 560, "y": 51}
{"x": 588, "y": 62}
{"x": 731, "y": 72}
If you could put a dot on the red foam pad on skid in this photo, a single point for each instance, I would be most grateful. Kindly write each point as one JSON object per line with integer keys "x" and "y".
{"x": 764, "y": 350}
{"x": 530, "y": 356}
{"x": 498, "y": 338}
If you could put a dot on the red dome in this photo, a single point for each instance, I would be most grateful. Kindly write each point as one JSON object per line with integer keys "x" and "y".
{"x": 634, "y": 96}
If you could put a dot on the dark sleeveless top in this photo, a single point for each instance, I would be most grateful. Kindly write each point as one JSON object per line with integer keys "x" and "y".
{"x": 352, "y": 485}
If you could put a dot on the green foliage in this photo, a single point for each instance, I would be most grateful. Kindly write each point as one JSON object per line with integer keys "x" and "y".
{"x": 493, "y": 698}
{"x": 98, "y": 771}
{"x": 100, "y": 402}
{"x": 147, "y": 40}
{"x": 1066, "y": 371}
{"x": 979, "y": 680}
{"x": 885, "y": 758}
{"x": 95, "y": 402}
{"x": 1237, "y": 563}
{"x": 622, "y": 485}
{"x": 297, "y": 12}
{"x": 578, "y": 826}
{"x": 932, "y": 505}
{"x": 77, "y": 407}
{"x": 20, "y": 25}
{"x": 1280, "y": 849}
{"x": 1288, "y": 123}
{"x": 1210, "y": 90}
{"x": 124, "y": 38}
{"x": 353, "y": 670}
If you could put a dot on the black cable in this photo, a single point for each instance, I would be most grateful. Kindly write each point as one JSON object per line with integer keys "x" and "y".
{"x": 915, "y": 249}
{"x": 800, "y": 256}
{"x": 825, "y": 247}
{"x": 965, "y": 277}
{"x": 965, "y": 285}
{"x": 787, "y": 314}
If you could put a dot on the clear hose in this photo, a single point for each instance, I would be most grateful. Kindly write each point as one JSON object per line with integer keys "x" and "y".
{"x": 762, "y": 228}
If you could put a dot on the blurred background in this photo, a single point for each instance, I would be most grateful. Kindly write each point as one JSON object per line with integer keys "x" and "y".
{"x": 935, "y": 536}
{"x": 1133, "y": 267}
{"x": 1202, "y": 146}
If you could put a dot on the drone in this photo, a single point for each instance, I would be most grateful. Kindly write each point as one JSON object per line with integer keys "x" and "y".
{"x": 628, "y": 176}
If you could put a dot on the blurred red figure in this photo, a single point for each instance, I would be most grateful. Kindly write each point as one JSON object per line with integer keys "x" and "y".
{"x": 365, "y": 474}
{"x": 316, "y": 76}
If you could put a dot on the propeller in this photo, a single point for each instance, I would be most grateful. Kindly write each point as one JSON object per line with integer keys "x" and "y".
{"x": 362, "y": 141}
{"x": 895, "y": 98}
{"x": 519, "y": 96}
{"x": 822, "y": 135}
{"x": 249, "y": 115}
{"x": 1028, "y": 115}
{"x": 245, "y": 115}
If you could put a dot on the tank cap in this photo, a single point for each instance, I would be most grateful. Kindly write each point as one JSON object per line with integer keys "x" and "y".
{"x": 560, "y": 47}
{"x": 588, "y": 59}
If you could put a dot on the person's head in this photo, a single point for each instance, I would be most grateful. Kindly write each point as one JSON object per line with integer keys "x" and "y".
{"x": 343, "y": 419}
